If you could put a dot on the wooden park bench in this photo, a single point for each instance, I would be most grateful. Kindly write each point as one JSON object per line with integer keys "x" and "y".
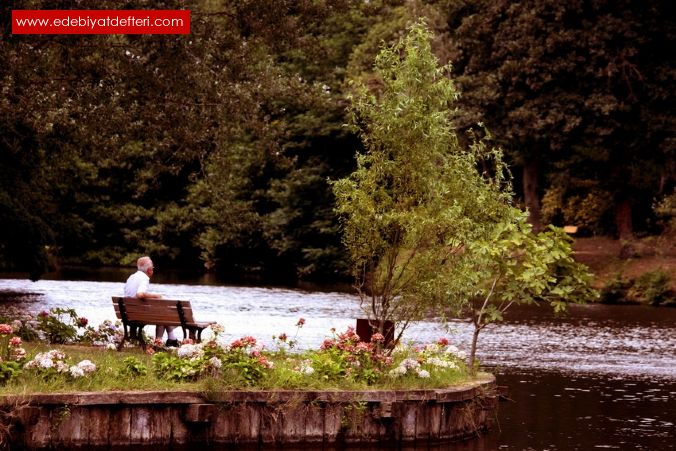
{"x": 136, "y": 313}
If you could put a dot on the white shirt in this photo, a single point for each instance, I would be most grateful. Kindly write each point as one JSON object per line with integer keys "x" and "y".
{"x": 136, "y": 283}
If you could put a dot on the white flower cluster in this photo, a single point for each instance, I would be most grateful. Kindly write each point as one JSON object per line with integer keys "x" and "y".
{"x": 409, "y": 366}
{"x": 441, "y": 363}
{"x": 217, "y": 328}
{"x": 55, "y": 360}
{"x": 454, "y": 351}
{"x": 82, "y": 369}
{"x": 46, "y": 360}
{"x": 305, "y": 368}
{"x": 189, "y": 351}
{"x": 30, "y": 324}
{"x": 215, "y": 362}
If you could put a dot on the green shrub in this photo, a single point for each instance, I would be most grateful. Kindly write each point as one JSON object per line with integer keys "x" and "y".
{"x": 665, "y": 210}
{"x": 652, "y": 287}
{"x": 8, "y": 371}
{"x": 132, "y": 368}
{"x": 615, "y": 291}
{"x": 59, "y": 325}
{"x": 106, "y": 333}
{"x": 173, "y": 368}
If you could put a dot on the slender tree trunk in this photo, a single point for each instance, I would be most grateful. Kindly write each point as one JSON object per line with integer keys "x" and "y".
{"x": 472, "y": 353}
{"x": 623, "y": 222}
{"x": 531, "y": 172}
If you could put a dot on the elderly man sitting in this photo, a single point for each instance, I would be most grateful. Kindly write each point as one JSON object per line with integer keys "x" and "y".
{"x": 137, "y": 287}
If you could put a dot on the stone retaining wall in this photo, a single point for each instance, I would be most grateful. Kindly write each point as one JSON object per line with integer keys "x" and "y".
{"x": 118, "y": 419}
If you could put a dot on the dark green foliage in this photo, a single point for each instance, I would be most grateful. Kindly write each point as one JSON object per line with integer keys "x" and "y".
{"x": 651, "y": 287}
{"x": 8, "y": 371}
{"x": 581, "y": 94}
{"x": 615, "y": 291}
{"x": 216, "y": 148}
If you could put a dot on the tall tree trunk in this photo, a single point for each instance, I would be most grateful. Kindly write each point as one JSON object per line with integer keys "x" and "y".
{"x": 623, "y": 222}
{"x": 531, "y": 172}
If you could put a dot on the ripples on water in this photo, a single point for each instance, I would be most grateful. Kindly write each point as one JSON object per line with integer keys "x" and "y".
{"x": 602, "y": 377}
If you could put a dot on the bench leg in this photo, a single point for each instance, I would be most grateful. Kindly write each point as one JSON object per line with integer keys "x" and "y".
{"x": 135, "y": 333}
{"x": 196, "y": 334}
{"x": 141, "y": 341}
{"x": 125, "y": 336}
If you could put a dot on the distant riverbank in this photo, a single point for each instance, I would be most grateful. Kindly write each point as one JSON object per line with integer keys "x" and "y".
{"x": 631, "y": 271}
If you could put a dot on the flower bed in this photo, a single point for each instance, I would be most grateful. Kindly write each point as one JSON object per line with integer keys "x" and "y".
{"x": 37, "y": 355}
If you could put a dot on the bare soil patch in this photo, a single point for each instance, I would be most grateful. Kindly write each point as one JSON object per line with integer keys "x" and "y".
{"x": 609, "y": 258}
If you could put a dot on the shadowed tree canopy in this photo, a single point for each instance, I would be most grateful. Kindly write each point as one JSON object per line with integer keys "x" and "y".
{"x": 119, "y": 145}
{"x": 216, "y": 148}
{"x": 581, "y": 95}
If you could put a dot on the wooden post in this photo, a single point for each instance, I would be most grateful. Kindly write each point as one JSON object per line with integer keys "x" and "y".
{"x": 366, "y": 328}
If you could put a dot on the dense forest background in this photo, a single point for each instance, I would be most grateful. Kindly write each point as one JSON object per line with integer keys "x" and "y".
{"x": 216, "y": 149}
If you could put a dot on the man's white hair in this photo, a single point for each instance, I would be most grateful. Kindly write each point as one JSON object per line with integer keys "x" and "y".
{"x": 144, "y": 264}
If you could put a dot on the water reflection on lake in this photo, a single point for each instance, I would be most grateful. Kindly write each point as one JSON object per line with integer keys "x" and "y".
{"x": 602, "y": 377}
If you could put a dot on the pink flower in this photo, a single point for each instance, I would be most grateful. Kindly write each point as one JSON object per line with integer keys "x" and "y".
{"x": 6, "y": 329}
{"x": 82, "y": 322}
{"x": 377, "y": 338}
{"x": 349, "y": 335}
{"x": 301, "y": 322}
{"x": 364, "y": 347}
{"x": 264, "y": 362}
{"x": 328, "y": 344}
{"x": 187, "y": 341}
{"x": 17, "y": 353}
{"x": 15, "y": 342}
{"x": 243, "y": 342}
{"x": 283, "y": 337}
{"x": 443, "y": 341}
{"x": 43, "y": 314}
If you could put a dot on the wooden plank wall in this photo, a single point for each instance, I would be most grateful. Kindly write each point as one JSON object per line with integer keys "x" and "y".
{"x": 90, "y": 420}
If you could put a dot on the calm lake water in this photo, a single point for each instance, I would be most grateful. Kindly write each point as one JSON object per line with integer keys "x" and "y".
{"x": 601, "y": 377}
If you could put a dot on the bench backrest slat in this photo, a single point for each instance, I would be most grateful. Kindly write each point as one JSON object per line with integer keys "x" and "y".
{"x": 157, "y": 311}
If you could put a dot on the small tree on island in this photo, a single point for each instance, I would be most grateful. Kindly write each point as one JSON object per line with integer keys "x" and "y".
{"x": 418, "y": 216}
{"x": 516, "y": 266}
